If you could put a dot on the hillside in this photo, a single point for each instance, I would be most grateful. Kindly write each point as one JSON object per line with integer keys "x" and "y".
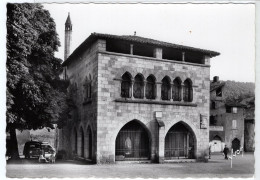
{"x": 237, "y": 91}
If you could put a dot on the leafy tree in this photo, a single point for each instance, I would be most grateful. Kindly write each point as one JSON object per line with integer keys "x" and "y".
{"x": 237, "y": 91}
{"x": 36, "y": 97}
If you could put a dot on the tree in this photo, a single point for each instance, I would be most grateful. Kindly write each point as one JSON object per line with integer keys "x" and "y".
{"x": 36, "y": 97}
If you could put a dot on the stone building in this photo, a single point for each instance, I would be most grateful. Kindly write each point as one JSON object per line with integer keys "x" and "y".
{"x": 137, "y": 99}
{"x": 249, "y": 132}
{"x": 226, "y": 119}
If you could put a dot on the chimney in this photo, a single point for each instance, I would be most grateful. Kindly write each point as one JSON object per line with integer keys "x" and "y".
{"x": 215, "y": 79}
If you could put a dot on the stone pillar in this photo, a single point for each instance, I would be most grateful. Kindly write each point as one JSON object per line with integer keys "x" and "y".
{"x": 157, "y": 53}
{"x": 161, "y": 144}
{"x": 182, "y": 85}
{"x": 206, "y": 60}
{"x": 145, "y": 82}
{"x": 131, "y": 49}
{"x": 101, "y": 45}
{"x": 183, "y": 56}
{"x": 158, "y": 91}
{"x": 132, "y": 89}
{"x": 171, "y": 99}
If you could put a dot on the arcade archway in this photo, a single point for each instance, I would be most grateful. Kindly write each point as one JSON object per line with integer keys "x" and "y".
{"x": 132, "y": 142}
{"x": 179, "y": 142}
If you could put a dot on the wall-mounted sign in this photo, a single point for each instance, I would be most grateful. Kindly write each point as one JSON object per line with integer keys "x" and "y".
{"x": 158, "y": 114}
{"x": 203, "y": 121}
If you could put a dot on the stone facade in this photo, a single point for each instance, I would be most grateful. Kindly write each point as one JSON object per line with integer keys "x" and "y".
{"x": 97, "y": 121}
{"x": 226, "y": 120}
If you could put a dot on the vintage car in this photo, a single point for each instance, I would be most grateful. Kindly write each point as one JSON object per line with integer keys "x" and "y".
{"x": 32, "y": 149}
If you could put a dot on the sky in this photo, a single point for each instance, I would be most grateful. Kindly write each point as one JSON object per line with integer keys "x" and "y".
{"x": 225, "y": 28}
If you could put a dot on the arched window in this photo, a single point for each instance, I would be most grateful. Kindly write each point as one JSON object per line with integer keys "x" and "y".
{"x": 166, "y": 89}
{"x": 150, "y": 87}
{"x": 139, "y": 87}
{"x": 176, "y": 90}
{"x": 88, "y": 90}
{"x": 187, "y": 91}
{"x": 126, "y": 86}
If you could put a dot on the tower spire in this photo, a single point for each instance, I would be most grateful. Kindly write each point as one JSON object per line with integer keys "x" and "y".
{"x": 68, "y": 37}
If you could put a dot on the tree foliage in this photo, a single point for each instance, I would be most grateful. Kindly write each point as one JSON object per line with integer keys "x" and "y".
{"x": 237, "y": 91}
{"x": 36, "y": 97}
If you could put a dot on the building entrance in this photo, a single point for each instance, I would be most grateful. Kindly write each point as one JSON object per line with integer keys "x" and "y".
{"x": 132, "y": 142}
{"x": 235, "y": 144}
{"x": 179, "y": 142}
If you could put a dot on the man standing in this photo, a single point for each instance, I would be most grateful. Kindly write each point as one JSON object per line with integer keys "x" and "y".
{"x": 225, "y": 151}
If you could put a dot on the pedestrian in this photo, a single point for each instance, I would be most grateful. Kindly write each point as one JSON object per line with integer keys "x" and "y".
{"x": 225, "y": 151}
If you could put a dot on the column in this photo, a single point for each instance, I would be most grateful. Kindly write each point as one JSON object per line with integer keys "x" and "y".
{"x": 158, "y": 91}
{"x": 157, "y": 53}
{"x": 206, "y": 60}
{"x": 183, "y": 56}
{"x": 131, "y": 48}
{"x": 145, "y": 82}
{"x": 182, "y": 85}
{"x": 171, "y": 99}
{"x": 161, "y": 144}
{"x": 132, "y": 89}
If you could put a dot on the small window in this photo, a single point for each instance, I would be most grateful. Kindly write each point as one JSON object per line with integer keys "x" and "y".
{"x": 234, "y": 110}
{"x": 228, "y": 109}
{"x": 213, "y": 105}
{"x": 219, "y": 92}
{"x": 87, "y": 89}
{"x": 234, "y": 124}
{"x": 213, "y": 120}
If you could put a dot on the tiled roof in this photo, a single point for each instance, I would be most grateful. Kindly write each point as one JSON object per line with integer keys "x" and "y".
{"x": 136, "y": 39}
{"x": 216, "y": 85}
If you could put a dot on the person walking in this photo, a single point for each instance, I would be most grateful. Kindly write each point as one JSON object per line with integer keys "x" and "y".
{"x": 225, "y": 151}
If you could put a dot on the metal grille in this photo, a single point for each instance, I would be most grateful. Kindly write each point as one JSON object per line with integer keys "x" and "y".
{"x": 176, "y": 145}
{"x": 179, "y": 143}
{"x": 132, "y": 143}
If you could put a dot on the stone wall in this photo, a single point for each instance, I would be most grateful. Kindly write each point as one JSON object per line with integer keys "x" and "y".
{"x": 81, "y": 70}
{"x": 225, "y": 119}
{"x": 114, "y": 112}
{"x": 249, "y": 135}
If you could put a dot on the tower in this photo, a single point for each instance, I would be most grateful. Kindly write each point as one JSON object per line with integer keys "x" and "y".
{"x": 68, "y": 37}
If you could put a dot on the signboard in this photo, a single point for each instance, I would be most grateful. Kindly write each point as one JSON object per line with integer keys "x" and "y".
{"x": 158, "y": 114}
{"x": 203, "y": 122}
{"x": 216, "y": 128}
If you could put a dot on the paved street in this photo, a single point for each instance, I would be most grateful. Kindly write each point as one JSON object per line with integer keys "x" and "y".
{"x": 216, "y": 167}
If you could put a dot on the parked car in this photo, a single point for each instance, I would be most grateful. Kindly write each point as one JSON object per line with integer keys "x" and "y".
{"x": 32, "y": 149}
{"x": 48, "y": 150}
